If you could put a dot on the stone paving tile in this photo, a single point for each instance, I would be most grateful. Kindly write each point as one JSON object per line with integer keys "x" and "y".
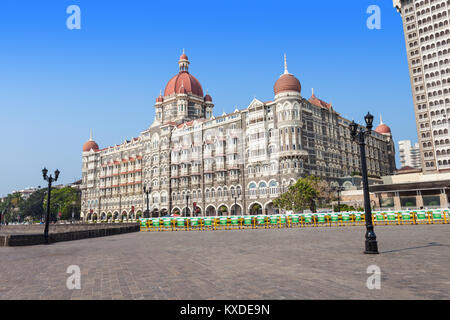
{"x": 312, "y": 263}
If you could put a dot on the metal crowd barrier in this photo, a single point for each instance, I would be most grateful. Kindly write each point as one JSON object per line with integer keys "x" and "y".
{"x": 300, "y": 220}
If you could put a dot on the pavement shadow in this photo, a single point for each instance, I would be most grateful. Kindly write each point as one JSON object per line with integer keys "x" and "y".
{"x": 431, "y": 244}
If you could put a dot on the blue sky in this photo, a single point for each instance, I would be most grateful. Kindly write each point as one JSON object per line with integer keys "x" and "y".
{"x": 56, "y": 83}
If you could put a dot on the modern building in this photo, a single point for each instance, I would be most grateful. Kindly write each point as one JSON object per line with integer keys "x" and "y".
{"x": 410, "y": 188}
{"x": 198, "y": 163}
{"x": 409, "y": 154}
{"x": 427, "y": 37}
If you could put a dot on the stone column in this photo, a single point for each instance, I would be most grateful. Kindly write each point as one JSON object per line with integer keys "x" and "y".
{"x": 397, "y": 203}
{"x": 419, "y": 200}
{"x": 443, "y": 197}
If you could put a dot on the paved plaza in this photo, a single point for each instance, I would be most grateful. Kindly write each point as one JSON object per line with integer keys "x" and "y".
{"x": 309, "y": 263}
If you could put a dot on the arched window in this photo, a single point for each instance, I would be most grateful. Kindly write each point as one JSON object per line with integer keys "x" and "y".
{"x": 262, "y": 188}
{"x": 273, "y": 187}
{"x": 252, "y": 189}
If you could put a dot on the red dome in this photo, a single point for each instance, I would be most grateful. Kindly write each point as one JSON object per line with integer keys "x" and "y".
{"x": 383, "y": 129}
{"x": 208, "y": 98}
{"x": 184, "y": 57}
{"x": 287, "y": 82}
{"x": 91, "y": 144}
{"x": 189, "y": 82}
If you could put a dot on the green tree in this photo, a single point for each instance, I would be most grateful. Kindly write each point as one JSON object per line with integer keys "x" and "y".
{"x": 223, "y": 210}
{"x": 11, "y": 207}
{"x": 64, "y": 200}
{"x": 33, "y": 206}
{"x": 300, "y": 196}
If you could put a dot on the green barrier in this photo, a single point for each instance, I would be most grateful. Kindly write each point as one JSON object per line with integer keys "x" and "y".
{"x": 321, "y": 218}
{"x": 391, "y": 217}
{"x": 180, "y": 223}
{"x": 155, "y": 222}
{"x": 167, "y": 223}
{"x": 421, "y": 217}
{"x": 207, "y": 222}
{"x": 308, "y": 218}
{"x": 345, "y": 218}
{"x": 194, "y": 222}
{"x": 283, "y": 219}
{"x": 295, "y": 219}
{"x": 248, "y": 221}
{"x": 437, "y": 216}
{"x": 223, "y": 222}
{"x": 261, "y": 220}
{"x": 234, "y": 221}
{"x": 334, "y": 218}
{"x": 379, "y": 217}
{"x": 273, "y": 220}
{"x": 406, "y": 217}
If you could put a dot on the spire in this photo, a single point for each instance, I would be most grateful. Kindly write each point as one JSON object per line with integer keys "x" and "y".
{"x": 285, "y": 65}
{"x": 381, "y": 119}
{"x": 90, "y": 135}
{"x": 313, "y": 92}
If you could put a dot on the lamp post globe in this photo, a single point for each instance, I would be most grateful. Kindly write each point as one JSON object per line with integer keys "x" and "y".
{"x": 369, "y": 121}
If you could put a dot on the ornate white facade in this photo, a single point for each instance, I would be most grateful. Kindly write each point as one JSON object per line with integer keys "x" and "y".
{"x": 255, "y": 153}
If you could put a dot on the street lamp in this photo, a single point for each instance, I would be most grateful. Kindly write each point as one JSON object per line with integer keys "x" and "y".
{"x": 359, "y": 135}
{"x": 235, "y": 194}
{"x": 73, "y": 210}
{"x": 147, "y": 191}
{"x": 50, "y": 180}
{"x": 187, "y": 205}
{"x": 338, "y": 190}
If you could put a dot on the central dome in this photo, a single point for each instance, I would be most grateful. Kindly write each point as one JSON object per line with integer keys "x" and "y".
{"x": 186, "y": 81}
{"x": 183, "y": 82}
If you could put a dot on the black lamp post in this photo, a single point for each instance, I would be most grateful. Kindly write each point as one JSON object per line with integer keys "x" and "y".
{"x": 235, "y": 194}
{"x": 187, "y": 205}
{"x": 359, "y": 135}
{"x": 2, "y": 214}
{"x": 147, "y": 191}
{"x": 338, "y": 190}
{"x": 50, "y": 180}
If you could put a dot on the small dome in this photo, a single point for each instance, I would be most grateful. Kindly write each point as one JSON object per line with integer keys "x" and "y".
{"x": 160, "y": 98}
{"x": 208, "y": 98}
{"x": 91, "y": 144}
{"x": 287, "y": 82}
{"x": 383, "y": 129}
{"x": 184, "y": 57}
